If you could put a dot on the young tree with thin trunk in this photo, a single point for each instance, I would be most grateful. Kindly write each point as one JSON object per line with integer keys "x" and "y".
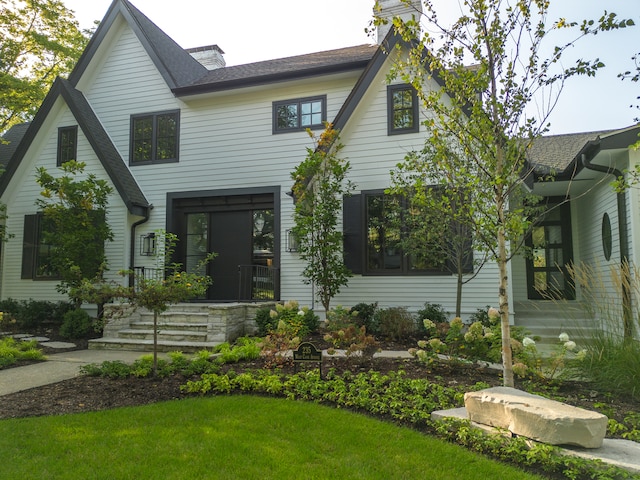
{"x": 74, "y": 206}
{"x": 320, "y": 184}
{"x": 492, "y": 65}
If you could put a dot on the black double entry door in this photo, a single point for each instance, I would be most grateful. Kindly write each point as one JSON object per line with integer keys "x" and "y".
{"x": 238, "y": 228}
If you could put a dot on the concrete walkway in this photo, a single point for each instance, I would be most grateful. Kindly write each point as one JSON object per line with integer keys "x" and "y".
{"x": 58, "y": 367}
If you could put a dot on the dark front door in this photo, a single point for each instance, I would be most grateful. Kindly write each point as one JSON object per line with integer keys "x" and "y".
{"x": 231, "y": 235}
{"x": 240, "y": 230}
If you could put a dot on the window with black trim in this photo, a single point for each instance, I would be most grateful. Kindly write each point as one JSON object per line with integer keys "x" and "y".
{"x": 380, "y": 229}
{"x": 402, "y": 109}
{"x": 154, "y": 138}
{"x": 67, "y": 144}
{"x": 299, "y": 114}
{"x": 36, "y": 253}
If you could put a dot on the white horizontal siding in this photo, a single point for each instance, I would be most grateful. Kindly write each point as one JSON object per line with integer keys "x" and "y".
{"x": 226, "y": 141}
{"x": 23, "y": 193}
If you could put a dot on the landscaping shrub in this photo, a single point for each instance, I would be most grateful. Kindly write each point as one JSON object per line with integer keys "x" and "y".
{"x": 10, "y": 309}
{"x": 34, "y": 314}
{"x": 395, "y": 323}
{"x": 481, "y": 315}
{"x": 341, "y": 317}
{"x": 264, "y": 321}
{"x": 366, "y": 312}
{"x": 354, "y": 340}
{"x": 301, "y": 319}
{"x": 76, "y": 324}
{"x": 434, "y": 312}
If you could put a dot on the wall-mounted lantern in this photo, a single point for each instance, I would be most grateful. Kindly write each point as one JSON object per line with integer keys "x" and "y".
{"x": 148, "y": 244}
{"x": 292, "y": 242}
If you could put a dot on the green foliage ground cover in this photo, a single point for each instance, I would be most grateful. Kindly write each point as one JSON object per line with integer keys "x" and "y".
{"x": 13, "y": 350}
{"x": 230, "y": 438}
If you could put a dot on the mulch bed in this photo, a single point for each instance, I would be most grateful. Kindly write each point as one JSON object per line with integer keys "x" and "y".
{"x": 84, "y": 394}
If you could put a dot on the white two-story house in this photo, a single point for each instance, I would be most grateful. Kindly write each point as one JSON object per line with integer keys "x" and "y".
{"x": 206, "y": 151}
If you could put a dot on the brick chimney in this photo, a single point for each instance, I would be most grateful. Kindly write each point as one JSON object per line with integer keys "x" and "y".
{"x": 209, "y": 56}
{"x": 389, "y": 9}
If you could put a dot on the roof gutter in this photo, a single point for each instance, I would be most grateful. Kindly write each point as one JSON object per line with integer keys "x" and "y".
{"x": 132, "y": 244}
{"x": 623, "y": 236}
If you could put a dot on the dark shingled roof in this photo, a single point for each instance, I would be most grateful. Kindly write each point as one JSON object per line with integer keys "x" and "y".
{"x": 330, "y": 61}
{"x": 96, "y": 135}
{"x": 175, "y": 64}
{"x": 555, "y": 153}
{"x": 10, "y": 141}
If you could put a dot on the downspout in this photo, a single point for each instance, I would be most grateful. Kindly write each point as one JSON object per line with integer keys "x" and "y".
{"x": 625, "y": 271}
{"x": 132, "y": 245}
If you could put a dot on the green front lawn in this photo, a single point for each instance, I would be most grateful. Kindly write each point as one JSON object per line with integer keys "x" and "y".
{"x": 235, "y": 437}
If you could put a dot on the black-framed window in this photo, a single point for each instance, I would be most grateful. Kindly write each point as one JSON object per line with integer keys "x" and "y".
{"x": 154, "y": 138}
{"x": 551, "y": 253}
{"x": 36, "y": 253}
{"x": 299, "y": 114}
{"x": 67, "y": 144}
{"x": 402, "y": 109}
{"x": 377, "y": 230}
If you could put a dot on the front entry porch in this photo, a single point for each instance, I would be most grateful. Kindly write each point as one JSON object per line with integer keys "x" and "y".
{"x": 185, "y": 327}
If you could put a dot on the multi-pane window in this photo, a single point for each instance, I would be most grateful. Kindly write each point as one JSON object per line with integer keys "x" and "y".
{"x": 299, "y": 114}
{"x": 36, "y": 252}
{"x": 402, "y": 109}
{"x": 67, "y": 144}
{"x": 399, "y": 239}
{"x": 154, "y": 138}
{"x": 392, "y": 235}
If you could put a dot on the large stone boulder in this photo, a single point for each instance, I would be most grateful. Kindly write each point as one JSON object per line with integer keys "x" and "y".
{"x": 536, "y": 417}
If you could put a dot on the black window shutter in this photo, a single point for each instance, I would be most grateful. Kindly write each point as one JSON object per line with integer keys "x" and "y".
{"x": 29, "y": 243}
{"x": 352, "y": 232}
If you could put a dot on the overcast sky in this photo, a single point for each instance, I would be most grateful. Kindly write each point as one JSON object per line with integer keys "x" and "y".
{"x": 253, "y": 30}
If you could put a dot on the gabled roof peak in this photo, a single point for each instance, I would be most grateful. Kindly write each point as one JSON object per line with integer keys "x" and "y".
{"x": 175, "y": 64}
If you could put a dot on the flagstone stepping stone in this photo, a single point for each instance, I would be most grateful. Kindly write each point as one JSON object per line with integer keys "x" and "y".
{"x": 60, "y": 345}
{"x": 37, "y": 339}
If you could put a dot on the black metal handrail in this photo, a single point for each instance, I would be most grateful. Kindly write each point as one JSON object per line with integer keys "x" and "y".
{"x": 146, "y": 273}
{"x": 258, "y": 283}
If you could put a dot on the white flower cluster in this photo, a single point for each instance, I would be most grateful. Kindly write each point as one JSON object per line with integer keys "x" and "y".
{"x": 568, "y": 344}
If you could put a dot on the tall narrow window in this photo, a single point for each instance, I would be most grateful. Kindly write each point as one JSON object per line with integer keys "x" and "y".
{"x": 67, "y": 144}
{"x": 36, "y": 252}
{"x": 299, "y": 114}
{"x": 402, "y": 109}
{"x": 154, "y": 138}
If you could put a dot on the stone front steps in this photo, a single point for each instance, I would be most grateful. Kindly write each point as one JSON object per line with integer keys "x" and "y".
{"x": 186, "y": 327}
{"x": 546, "y": 320}
{"x": 146, "y": 345}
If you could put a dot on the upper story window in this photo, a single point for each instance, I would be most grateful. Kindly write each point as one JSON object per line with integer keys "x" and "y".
{"x": 154, "y": 138}
{"x": 299, "y": 114}
{"x": 67, "y": 144}
{"x": 402, "y": 109}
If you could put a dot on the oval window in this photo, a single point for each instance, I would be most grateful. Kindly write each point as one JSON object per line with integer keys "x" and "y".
{"x": 606, "y": 236}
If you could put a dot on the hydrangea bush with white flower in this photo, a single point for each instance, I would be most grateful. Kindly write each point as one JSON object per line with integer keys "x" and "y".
{"x": 476, "y": 341}
{"x": 559, "y": 363}
{"x": 300, "y": 320}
